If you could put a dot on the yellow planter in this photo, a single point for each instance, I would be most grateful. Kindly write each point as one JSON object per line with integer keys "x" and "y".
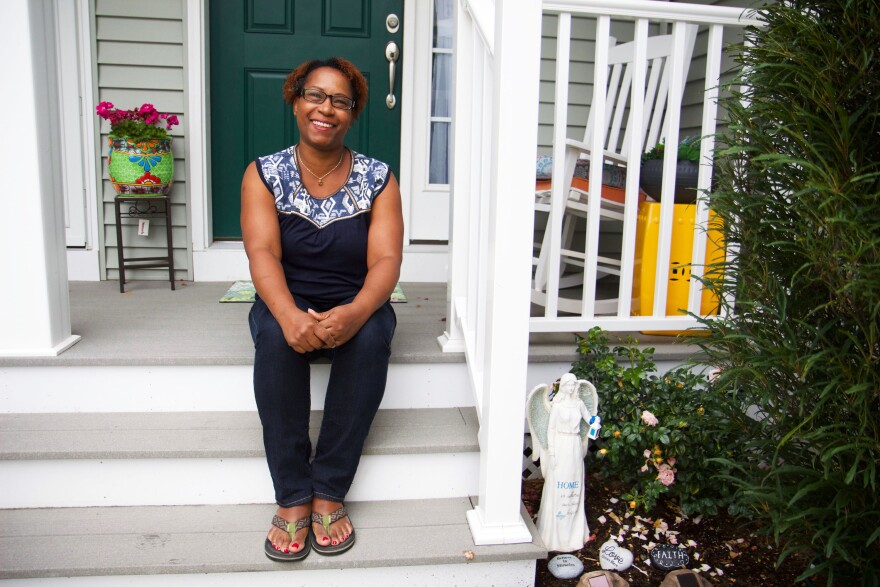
{"x": 680, "y": 255}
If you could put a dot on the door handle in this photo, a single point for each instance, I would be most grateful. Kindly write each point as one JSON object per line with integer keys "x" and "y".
{"x": 392, "y": 54}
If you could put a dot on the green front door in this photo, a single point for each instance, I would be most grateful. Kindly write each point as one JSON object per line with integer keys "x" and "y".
{"x": 254, "y": 45}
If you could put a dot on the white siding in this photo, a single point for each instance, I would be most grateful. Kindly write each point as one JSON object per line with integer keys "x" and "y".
{"x": 140, "y": 58}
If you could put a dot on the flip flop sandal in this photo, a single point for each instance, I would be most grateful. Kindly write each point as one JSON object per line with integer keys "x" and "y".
{"x": 292, "y": 529}
{"x": 325, "y": 520}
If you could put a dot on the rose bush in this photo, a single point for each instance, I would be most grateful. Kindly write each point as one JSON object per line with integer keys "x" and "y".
{"x": 661, "y": 434}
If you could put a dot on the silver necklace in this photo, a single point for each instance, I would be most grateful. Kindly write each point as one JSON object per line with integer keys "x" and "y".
{"x": 320, "y": 178}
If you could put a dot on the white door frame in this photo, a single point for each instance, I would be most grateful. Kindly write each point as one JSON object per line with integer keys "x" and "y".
{"x": 221, "y": 261}
{"x": 79, "y": 158}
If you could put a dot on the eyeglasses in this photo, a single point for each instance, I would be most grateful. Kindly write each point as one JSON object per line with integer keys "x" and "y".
{"x": 338, "y": 101}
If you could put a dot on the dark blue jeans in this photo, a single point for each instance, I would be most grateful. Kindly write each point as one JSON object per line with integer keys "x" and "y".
{"x": 358, "y": 372}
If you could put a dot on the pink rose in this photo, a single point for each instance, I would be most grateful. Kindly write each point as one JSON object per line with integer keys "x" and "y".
{"x": 644, "y": 469}
{"x": 666, "y": 474}
{"x": 671, "y": 461}
{"x": 647, "y": 453}
{"x": 649, "y": 418}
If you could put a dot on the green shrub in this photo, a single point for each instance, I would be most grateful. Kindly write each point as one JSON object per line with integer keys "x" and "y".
{"x": 799, "y": 196}
{"x": 672, "y": 455}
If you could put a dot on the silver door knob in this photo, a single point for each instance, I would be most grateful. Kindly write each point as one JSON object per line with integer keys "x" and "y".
{"x": 392, "y": 54}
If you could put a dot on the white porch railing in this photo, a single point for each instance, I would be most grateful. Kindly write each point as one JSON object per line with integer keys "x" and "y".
{"x": 644, "y": 15}
{"x": 497, "y": 58}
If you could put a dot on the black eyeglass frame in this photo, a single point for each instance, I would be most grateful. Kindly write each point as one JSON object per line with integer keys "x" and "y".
{"x": 317, "y": 91}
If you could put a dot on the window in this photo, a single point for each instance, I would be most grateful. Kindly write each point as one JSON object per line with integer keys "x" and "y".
{"x": 441, "y": 92}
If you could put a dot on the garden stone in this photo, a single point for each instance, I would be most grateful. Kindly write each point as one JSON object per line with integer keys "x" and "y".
{"x": 602, "y": 579}
{"x": 565, "y": 566}
{"x": 667, "y": 557}
{"x": 685, "y": 578}
{"x": 614, "y": 558}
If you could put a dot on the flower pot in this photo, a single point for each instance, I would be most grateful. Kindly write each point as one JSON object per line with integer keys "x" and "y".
{"x": 651, "y": 180}
{"x": 143, "y": 168}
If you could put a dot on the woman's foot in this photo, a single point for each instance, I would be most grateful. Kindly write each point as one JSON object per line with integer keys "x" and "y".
{"x": 341, "y": 530}
{"x": 280, "y": 538}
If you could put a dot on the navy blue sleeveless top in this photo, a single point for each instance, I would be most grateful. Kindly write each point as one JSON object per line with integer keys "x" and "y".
{"x": 323, "y": 240}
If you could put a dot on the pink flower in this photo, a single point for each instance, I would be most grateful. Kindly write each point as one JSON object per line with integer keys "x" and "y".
{"x": 649, "y": 418}
{"x": 671, "y": 461}
{"x": 666, "y": 474}
{"x": 103, "y": 109}
{"x": 172, "y": 120}
{"x": 647, "y": 453}
{"x": 644, "y": 469}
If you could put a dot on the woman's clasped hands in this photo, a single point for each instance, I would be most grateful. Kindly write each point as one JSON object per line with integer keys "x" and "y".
{"x": 309, "y": 331}
{"x": 341, "y": 323}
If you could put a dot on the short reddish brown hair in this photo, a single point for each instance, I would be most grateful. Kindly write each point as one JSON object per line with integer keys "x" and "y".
{"x": 296, "y": 80}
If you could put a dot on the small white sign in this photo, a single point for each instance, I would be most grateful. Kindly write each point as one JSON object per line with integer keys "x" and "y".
{"x": 143, "y": 227}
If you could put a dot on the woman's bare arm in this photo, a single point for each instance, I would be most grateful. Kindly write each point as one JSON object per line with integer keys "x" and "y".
{"x": 262, "y": 243}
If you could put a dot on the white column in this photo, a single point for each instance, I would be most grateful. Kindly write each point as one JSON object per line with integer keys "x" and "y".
{"x": 497, "y": 518}
{"x": 35, "y": 311}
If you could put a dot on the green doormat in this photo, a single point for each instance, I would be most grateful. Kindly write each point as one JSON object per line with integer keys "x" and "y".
{"x": 243, "y": 291}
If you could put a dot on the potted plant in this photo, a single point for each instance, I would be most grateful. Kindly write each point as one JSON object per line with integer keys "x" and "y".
{"x": 651, "y": 177}
{"x": 140, "y": 161}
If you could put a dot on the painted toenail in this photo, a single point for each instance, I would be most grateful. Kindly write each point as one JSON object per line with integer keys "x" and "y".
{"x": 295, "y": 545}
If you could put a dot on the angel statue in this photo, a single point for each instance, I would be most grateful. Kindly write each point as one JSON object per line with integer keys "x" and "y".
{"x": 561, "y": 428}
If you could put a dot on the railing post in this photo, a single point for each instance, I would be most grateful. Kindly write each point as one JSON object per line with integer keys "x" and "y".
{"x": 510, "y": 222}
{"x": 461, "y": 170}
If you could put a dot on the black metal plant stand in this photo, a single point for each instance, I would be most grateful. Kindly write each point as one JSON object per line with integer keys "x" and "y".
{"x": 144, "y": 207}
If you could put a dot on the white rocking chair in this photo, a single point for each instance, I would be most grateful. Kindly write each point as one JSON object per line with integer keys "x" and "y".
{"x": 620, "y": 61}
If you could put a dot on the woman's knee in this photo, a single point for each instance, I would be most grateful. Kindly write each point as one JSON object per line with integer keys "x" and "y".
{"x": 265, "y": 330}
{"x": 378, "y": 331}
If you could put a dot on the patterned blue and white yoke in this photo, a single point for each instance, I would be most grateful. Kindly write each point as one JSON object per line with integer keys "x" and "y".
{"x": 280, "y": 173}
{"x": 323, "y": 240}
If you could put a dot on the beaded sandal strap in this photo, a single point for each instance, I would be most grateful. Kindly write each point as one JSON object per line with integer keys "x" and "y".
{"x": 327, "y": 519}
{"x": 283, "y": 524}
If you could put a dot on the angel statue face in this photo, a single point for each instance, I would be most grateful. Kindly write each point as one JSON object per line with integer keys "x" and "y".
{"x": 568, "y": 384}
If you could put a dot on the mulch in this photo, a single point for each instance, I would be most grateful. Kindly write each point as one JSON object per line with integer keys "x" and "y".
{"x": 726, "y": 551}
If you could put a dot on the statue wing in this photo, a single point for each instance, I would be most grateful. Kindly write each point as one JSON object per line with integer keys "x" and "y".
{"x": 588, "y": 395}
{"x": 538, "y": 413}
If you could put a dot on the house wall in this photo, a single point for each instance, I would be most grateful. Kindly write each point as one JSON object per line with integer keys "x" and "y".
{"x": 140, "y": 57}
{"x": 692, "y": 100}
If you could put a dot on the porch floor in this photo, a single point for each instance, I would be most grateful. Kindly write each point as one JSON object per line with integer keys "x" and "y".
{"x": 151, "y": 325}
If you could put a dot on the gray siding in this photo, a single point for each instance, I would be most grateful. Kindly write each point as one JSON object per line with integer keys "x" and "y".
{"x": 141, "y": 58}
{"x": 692, "y": 101}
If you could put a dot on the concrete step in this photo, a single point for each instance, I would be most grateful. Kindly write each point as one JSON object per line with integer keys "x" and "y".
{"x": 177, "y": 458}
{"x": 398, "y": 542}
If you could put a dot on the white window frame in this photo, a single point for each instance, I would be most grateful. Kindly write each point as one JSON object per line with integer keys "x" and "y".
{"x": 428, "y": 218}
